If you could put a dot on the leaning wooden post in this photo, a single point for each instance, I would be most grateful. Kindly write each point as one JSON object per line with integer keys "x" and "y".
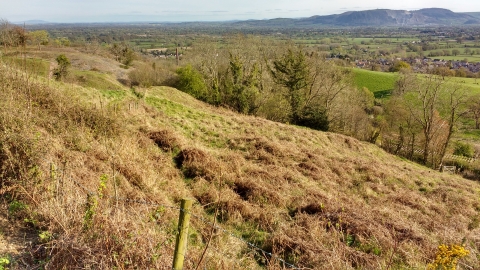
{"x": 52, "y": 177}
{"x": 182, "y": 236}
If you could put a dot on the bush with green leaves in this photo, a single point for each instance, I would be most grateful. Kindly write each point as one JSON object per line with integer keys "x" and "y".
{"x": 463, "y": 149}
{"x": 123, "y": 53}
{"x": 61, "y": 71}
{"x": 314, "y": 118}
{"x": 399, "y": 65}
{"x": 191, "y": 81}
{"x": 4, "y": 262}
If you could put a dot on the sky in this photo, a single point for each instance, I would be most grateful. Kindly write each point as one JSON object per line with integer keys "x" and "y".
{"x": 69, "y": 11}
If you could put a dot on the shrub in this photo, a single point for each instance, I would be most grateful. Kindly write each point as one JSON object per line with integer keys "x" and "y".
{"x": 313, "y": 118}
{"x": 463, "y": 149}
{"x": 123, "y": 54}
{"x": 190, "y": 81}
{"x": 4, "y": 262}
{"x": 61, "y": 71}
{"x": 399, "y": 65}
{"x": 147, "y": 75}
{"x": 447, "y": 257}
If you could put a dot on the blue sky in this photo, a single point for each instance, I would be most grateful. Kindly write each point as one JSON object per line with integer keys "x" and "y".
{"x": 195, "y": 10}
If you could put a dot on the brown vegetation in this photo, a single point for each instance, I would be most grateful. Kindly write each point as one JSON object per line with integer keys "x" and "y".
{"x": 314, "y": 199}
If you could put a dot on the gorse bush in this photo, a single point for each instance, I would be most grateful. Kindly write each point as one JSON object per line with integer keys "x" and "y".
{"x": 447, "y": 257}
{"x": 4, "y": 262}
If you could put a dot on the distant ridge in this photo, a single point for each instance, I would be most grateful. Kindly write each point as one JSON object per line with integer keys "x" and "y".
{"x": 33, "y": 22}
{"x": 372, "y": 18}
{"x": 377, "y": 17}
{"x": 473, "y": 14}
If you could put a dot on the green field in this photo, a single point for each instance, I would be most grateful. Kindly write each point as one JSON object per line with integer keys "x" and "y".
{"x": 472, "y": 84}
{"x": 460, "y": 57}
{"x": 380, "y": 83}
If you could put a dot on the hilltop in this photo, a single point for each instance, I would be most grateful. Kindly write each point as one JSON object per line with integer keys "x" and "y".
{"x": 376, "y": 17}
{"x": 90, "y": 169}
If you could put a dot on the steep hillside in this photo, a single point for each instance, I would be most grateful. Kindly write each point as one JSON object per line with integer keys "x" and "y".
{"x": 98, "y": 177}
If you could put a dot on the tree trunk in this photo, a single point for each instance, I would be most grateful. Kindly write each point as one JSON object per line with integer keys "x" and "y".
{"x": 412, "y": 147}
{"x": 426, "y": 146}
{"x": 400, "y": 141}
{"x": 449, "y": 135}
{"x": 425, "y": 152}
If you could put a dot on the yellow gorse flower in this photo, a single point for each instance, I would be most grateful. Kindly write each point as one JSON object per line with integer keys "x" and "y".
{"x": 447, "y": 257}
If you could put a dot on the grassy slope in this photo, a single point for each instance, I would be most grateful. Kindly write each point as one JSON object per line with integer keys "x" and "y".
{"x": 319, "y": 200}
{"x": 380, "y": 83}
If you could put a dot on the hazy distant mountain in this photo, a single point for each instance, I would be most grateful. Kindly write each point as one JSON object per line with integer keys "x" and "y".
{"x": 474, "y": 14}
{"x": 374, "y": 18}
{"x": 378, "y": 17}
{"x": 32, "y": 22}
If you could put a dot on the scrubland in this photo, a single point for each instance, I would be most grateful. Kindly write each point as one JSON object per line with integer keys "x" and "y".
{"x": 92, "y": 172}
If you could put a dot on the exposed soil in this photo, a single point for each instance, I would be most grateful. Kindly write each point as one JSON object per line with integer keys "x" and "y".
{"x": 16, "y": 241}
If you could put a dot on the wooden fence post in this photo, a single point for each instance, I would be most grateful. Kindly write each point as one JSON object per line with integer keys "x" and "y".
{"x": 62, "y": 180}
{"x": 182, "y": 236}
{"x": 52, "y": 177}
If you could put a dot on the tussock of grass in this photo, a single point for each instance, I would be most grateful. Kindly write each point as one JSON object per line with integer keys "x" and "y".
{"x": 165, "y": 139}
{"x": 314, "y": 199}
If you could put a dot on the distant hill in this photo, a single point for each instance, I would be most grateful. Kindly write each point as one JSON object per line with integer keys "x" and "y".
{"x": 32, "y": 22}
{"x": 372, "y": 18}
{"x": 473, "y": 14}
{"x": 377, "y": 17}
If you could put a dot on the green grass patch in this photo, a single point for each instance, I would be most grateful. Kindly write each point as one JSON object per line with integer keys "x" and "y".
{"x": 470, "y": 134}
{"x": 168, "y": 107}
{"x": 380, "y": 83}
{"x": 114, "y": 94}
{"x": 36, "y": 66}
{"x": 473, "y": 85}
{"x": 471, "y": 58}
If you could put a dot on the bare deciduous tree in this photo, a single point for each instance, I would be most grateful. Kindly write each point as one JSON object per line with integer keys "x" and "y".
{"x": 427, "y": 109}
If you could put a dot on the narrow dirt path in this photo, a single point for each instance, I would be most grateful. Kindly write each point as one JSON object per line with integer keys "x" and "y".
{"x": 15, "y": 240}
